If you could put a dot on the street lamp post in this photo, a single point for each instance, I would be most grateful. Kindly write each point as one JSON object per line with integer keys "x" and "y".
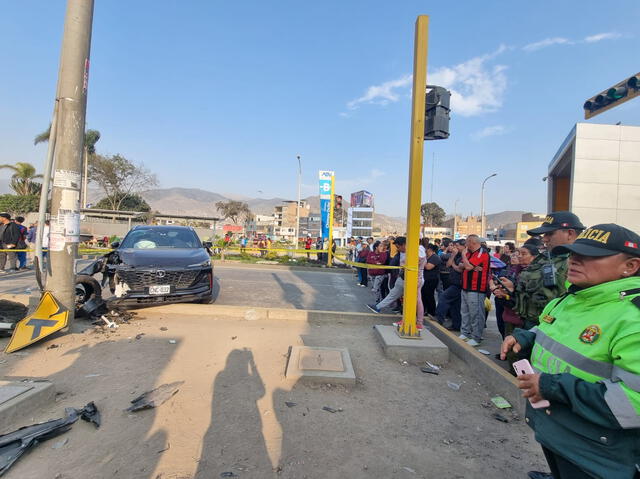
{"x": 298, "y": 204}
{"x": 455, "y": 217}
{"x": 482, "y": 226}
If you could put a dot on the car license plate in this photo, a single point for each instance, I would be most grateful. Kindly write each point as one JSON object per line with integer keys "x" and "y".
{"x": 160, "y": 289}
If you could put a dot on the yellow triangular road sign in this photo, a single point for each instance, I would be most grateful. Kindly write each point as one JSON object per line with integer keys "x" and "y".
{"x": 48, "y": 318}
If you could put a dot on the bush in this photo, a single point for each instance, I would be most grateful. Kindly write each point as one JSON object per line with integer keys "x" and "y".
{"x": 14, "y": 204}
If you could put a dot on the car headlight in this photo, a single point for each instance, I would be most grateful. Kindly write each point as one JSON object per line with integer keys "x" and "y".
{"x": 204, "y": 264}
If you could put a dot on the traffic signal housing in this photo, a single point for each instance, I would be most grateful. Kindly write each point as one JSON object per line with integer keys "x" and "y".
{"x": 436, "y": 125}
{"x": 611, "y": 97}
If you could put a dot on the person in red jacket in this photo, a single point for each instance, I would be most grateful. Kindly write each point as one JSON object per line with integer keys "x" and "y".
{"x": 307, "y": 245}
{"x": 377, "y": 256}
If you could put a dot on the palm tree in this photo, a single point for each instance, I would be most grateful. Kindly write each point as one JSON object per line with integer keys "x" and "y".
{"x": 22, "y": 179}
{"x": 91, "y": 137}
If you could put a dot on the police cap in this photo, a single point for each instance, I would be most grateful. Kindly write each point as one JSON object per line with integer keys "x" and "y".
{"x": 558, "y": 220}
{"x": 603, "y": 240}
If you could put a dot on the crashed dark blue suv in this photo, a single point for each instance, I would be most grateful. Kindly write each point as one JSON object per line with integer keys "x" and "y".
{"x": 159, "y": 264}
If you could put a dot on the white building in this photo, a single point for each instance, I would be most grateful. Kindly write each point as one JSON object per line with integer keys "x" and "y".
{"x": 596, "y": 175}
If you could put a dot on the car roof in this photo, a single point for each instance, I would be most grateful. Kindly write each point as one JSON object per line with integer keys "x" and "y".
{"x": 161, "y": 227}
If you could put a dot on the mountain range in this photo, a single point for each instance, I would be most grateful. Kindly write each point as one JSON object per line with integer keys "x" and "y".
{"x": 197, "y": 202}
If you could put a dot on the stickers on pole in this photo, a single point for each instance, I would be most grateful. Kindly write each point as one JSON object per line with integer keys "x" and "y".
{"x": 49, "y": 317}
{"x": 67, "y": 179}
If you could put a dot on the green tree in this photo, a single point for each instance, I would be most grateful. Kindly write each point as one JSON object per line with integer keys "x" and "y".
{"x": 19, "y": 204}
{"x": 234, "y": 210}
{"x": 432, "y": 214}
{"x": 119, "y": 178}
{"x": 22, "y": 179}
{"x": 127, "y": 203}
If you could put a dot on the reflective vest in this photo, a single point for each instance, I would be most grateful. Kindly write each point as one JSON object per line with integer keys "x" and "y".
{"x": 592, "y": 334}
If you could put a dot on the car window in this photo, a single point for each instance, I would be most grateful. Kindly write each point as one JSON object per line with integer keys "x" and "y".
{"x": 152, "y": 238}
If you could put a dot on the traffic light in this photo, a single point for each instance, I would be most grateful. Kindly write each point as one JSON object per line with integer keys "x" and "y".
{"x": 612, "y": 97}
{"x": 436, "y": 125}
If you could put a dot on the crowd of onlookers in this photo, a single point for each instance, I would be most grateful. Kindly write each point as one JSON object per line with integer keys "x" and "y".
{"x": 14, "y": 235}
{"x": 457, "y": 279}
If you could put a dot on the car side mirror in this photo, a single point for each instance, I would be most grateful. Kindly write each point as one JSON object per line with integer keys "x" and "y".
{"x": 207, "y": 244}
{"x": 115, "y": 244}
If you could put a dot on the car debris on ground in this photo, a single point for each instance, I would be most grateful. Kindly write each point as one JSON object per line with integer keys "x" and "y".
{"x": 155, "y": 397}
{"x": 14, "y": 444}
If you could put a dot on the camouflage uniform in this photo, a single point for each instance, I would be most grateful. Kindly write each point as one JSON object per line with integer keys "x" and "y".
{"x": 531, "y": 295}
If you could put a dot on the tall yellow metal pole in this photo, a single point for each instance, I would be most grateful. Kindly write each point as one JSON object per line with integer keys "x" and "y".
{"x": 408, "y": 328}
{"x": 331, "y": 206}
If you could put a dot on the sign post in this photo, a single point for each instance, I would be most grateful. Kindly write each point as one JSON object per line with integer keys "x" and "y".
{"x": 331, "y": 208}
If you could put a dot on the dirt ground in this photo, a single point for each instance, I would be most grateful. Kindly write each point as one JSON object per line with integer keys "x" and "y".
{"x": 230, "y": 414}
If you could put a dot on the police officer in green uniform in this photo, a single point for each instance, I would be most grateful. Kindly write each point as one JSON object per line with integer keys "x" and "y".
{"x": 586, "y": 354}
{"x": 545, "y": 278}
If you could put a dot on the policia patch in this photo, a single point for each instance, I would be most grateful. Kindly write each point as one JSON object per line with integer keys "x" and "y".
{"x": 591, "y": 334}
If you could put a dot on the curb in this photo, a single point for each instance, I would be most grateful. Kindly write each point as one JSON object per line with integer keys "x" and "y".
{"x": 41, "y": 394}
{"x": 247, "y": 313}
{"x": 318, "y": 269}
{"x": 494, "y": 377}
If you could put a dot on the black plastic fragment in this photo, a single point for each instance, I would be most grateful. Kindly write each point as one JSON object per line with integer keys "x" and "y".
{"x": 14, "y": 444}
{"x": 91, "y": 414}
{"x": 155, "y": 397}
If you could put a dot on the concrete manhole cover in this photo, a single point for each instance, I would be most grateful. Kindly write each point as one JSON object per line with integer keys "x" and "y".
{"x": 320, "y": 365}
{"x": 321, "y": 360}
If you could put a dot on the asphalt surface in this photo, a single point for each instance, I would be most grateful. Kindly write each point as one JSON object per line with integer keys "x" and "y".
{"x": 260, "y": 286}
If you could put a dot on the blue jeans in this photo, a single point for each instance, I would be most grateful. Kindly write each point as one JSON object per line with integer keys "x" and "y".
{"x": 449, "y": 302}
{"x": 363, "y": 274}
{"x": 22, "y": 259}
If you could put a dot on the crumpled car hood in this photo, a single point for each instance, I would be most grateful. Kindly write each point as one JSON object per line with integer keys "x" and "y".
{"x": 159, "y": 258}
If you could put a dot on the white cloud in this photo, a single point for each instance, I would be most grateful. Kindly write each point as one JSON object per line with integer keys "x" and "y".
{"x": 476, "y": 87}
{"x": 547, "y": 42}
{"x": 602, "y": 36}
{"x": 382, "y": 94}
{"x": 494, "y": 130}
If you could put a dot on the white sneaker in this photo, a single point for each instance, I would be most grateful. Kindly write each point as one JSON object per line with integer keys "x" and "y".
{"x": 463, "y": 337}
{"x": 473, "y": 342}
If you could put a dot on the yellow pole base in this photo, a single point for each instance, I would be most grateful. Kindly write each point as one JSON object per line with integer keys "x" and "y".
{"x": 408, "y": 333}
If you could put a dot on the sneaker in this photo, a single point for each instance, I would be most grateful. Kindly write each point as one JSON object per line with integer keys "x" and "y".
{"x": 473, "y": 342}
{"x": 373, "y": 308}
{"x": 397, "y": 324}
{"x": 463, "y": 337}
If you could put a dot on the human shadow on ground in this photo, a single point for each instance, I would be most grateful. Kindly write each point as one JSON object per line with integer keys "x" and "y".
{"x": 234, "y": 442}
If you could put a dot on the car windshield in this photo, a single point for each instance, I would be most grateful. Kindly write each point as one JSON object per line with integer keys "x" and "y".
{"x": 154, "y": 238}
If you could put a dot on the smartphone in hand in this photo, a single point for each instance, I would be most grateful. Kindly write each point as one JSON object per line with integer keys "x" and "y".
{"x": 524, "y": 367}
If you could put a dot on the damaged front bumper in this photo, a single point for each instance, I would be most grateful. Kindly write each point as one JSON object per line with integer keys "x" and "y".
{"x": 134, "y": 288}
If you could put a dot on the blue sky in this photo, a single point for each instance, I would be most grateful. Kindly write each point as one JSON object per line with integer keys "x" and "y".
{"x": 224, "y": 95}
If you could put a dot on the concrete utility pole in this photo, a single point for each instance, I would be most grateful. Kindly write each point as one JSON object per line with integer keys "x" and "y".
{"x": 482, "y": 226}
{"x": 298, "y": 204}
{"x": 65, "y": 196}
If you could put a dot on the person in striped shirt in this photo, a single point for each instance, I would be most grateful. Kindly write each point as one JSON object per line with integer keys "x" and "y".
{"x": 475, "y": 282}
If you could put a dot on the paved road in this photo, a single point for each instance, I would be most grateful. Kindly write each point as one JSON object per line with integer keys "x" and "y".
{"x": 258, "y": 286}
